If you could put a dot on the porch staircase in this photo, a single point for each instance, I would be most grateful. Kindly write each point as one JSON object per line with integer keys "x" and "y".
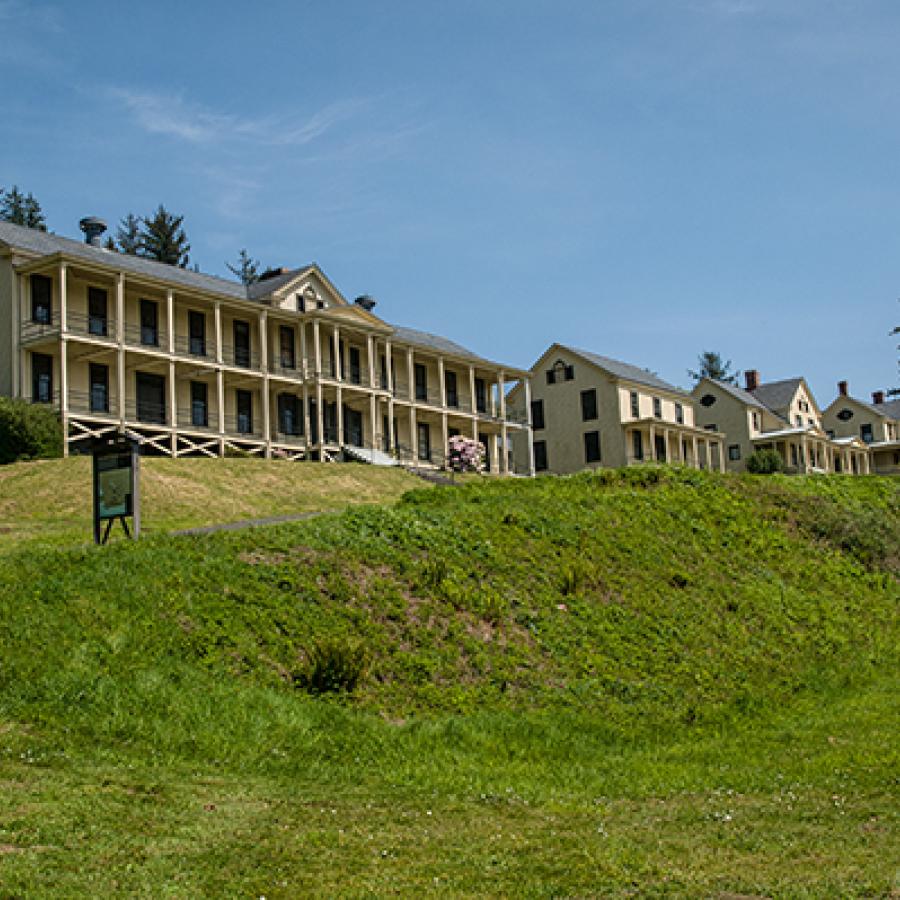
{"x": 369, "y": 455}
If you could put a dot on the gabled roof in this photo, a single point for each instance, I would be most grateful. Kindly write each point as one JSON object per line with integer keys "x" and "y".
{"x": 777, "y": 394}
{"x": 432, "y": 342}
{"x": 623, "y": 370}
{"x": 44, "y": 244}
{"x": 871, "y": 407}
{"x": 270, "y": 285}
{"x": 891, "y": 409}
{"x": 737, "y": 392}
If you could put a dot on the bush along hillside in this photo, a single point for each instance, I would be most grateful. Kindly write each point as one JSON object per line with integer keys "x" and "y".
{"x": 28, "y": 431}
{"x": 647, "y": 682}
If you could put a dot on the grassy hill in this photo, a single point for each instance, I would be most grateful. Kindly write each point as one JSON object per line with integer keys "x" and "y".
{"x": 651, "y": 680}
{"x": 49, "y": 501}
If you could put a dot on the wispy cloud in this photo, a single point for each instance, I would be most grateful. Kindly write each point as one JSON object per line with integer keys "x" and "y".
{"x": 175, "y": 117}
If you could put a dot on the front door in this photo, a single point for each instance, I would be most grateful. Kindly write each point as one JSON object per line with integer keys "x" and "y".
{"x": 353, "y": 427}
{"x": 659, "y": 446}
{"x": 637, "y": 444}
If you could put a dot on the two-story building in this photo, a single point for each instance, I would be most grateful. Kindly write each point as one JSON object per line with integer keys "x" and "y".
{"x": 200, "y": 365}
{"x": 876, "y": 424}
{"x": 780, "y": 415}
{"x": 589, "y": 410}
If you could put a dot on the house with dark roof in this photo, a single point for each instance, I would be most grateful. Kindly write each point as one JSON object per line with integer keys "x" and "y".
{"x": 876, "y": 424}
{"x": 779, "y": 415}
{"x": 589, "y": 410}
{"x": 200, "y": 365}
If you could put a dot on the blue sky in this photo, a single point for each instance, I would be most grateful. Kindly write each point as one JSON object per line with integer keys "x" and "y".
{"x": 642, "y": 178}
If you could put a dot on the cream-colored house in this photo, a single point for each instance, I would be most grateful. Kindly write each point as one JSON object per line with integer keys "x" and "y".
{"x": 781, "y": 416}
{"x": 876, "y": 424}
{"x": 200, "y": 365}
{"x": 588, "y": 410}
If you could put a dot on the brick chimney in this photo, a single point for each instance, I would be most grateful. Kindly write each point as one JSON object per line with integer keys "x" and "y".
{"x": 751, "y": 379}
{"x": 842, "y": 388}
{"x": 878, "y": 397}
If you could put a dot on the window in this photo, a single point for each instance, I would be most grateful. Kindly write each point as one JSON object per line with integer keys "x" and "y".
{"x": 421, "y": 377}
{"x": 755, "y": 419}
{"x": 301, "y": 303}
{"x": 244, "y": 400}
{"x": 355, "y": 369}
{"x": 384, "y": 378}
{"x": 637, "y": 445}
{"x": 711, "y": 427}
{"x": 41, "y": 302}
{"x": 588, "y": 405}
{"x": 423, "y": 432}
{"x": 41, "y": 378}
{"x": 707, "y": 400}
{"x": 540, "y": 456}
{"x": 679, "y": 414}
{"x": 199, "y": 405}
{"x": 734, "y": 452}
{"x": 450, "y": 389}
{"x": 97, "y": 324}
{"x": 592, "y": 446}
{"x": 635, "y": 405}
{"x": 480, "y": 395}
{"x": 551, "y": 376}
{"x": 570, "y": 373}
{"x": 865, "y": 432}
{"x": 830, "y": 435}
{"x": 99, "y": 382}
{"x": 196, "y": 332}
{"x": 286, "y": 345}
{"x": 799, "y": 421}
{"x": 150, "y": 391}
{"x": 290, "y": 421}
{"x": 845, "y": 415}
{"x": 657, "y": 408}
{"x": 811, "y": 423}
{"x": 241, "y": 331}
{"x": 149, "y": 323}
{"x": 537, "y": 414}
{"x": 794, "y": 457}
{"x": 560, "y": 372}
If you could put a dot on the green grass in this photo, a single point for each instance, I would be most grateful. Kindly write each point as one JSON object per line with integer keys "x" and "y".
{"x": 49, "y": 501}
{"x": 652, "y": 682}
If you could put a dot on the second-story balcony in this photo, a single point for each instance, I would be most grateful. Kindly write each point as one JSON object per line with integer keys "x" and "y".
{"x": 194, "y": 348}
{"x": 240, "y": 357}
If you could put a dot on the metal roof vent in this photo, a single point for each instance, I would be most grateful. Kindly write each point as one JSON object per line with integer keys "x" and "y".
{"x": 92, "y": 228}
{"x": 366, "y": 302}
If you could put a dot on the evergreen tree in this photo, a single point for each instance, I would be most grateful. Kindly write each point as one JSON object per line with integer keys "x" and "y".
{"x": 163, "y": 238}
{"x": 128, "y": 235}
{"x": 21, "y": 209}
{"x": 711, "y": 366}
{"x": 247, "y": 268}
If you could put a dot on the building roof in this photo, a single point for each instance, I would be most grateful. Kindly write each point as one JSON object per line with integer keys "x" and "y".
{"x": 432, "y": 342}
{"x": 738, "y": 393}
{"x": 777, "y": 394}
{"x": 270, "y": 285}
{"x": 891, "y": 408}
{"x": 626, "y": 371}
{"x": 45, "y": 244}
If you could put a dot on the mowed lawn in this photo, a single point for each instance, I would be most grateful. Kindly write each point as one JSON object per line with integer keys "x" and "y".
{"x": 49, "y": 501}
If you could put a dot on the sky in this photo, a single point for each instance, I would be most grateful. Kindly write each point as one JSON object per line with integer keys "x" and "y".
{"x": 646, "y": 179}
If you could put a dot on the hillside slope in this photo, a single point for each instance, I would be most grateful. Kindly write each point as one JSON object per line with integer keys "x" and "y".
{"x": 586, "y": 680}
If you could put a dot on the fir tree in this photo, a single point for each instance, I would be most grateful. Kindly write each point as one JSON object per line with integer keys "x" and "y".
{"x": 21, "y": 209}
{"x": 128, "y": 235}
{"x": 163, "y": 238}
{"x": 247, "y": 268}
{"x": 711, "y": 366}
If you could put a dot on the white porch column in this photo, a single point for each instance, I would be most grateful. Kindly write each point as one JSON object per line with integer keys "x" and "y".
{"x": 264, "y": 340}
{"x": 217, "y": 319}
{"x": 504, "y": 431}
{"x": 170, "y": 319}
{"x": 445, "y": 434}
{"x": 304, "y": 367}
{"x": 410, "y": 375}
{"x": 264, "y": 362}
{"x": 370, "y": 353}
{"x": 695, "y": 460}
{"x": 64, "y": 391}
{"x": 339, "y": 403}
{"x": 472, "y": 390}
{"x": 526, "y": 383}
{"x": 667, "y": 445}
{"x": 320, "y": 418}
{"x": 120, "y": 340}
{"x": 721, "y": 456}
{"x": 373, "y": 415}
{"x": 442, "y": 383}
{"x": 63, "y": 299}
{"x": 413, "y": 435}
{"x": 390, "y": 372}
{"x": 651, "y": 440}
{"x": 220, "y": 397}
{"x": 336, "y": 350}
{"x": 173, "y": 404}
{"x": 317, "y": 354}
{"x": 14, "y": 353}
{"x": 709, "y": 455}
{"x": 392, "y": 438}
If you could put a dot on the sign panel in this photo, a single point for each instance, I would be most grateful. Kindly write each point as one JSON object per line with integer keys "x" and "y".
{"x": 115, "y": 486}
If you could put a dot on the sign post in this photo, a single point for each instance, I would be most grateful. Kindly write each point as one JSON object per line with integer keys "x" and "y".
{"x": 116, "y": 466}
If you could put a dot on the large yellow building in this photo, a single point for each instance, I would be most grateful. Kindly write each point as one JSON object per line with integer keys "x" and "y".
{"x": 589, "y": 410}
{"x": 200, "y": 365}
{"x": 875, "y": 424}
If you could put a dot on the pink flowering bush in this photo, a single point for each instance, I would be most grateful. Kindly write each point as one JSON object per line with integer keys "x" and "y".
{"x": 465, "y": 454}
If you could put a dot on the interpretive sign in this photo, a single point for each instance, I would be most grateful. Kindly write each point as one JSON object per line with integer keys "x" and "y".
{"x": 116, "y": 485}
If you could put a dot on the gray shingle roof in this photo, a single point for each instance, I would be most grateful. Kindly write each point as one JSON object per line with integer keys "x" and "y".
{"x": 777, "y": 394}
{"x": 627, "y": 371}
{"x": 739, "y": 393}
{"x": 262, "y": 288}
{"x": 891, "y": 408}
{"x": 432, "y": 342}
{"x": 40, "y": 242}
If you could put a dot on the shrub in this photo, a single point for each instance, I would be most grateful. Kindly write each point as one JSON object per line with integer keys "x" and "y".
{"x": 764, "y": 462}
{"x": 332, "y": 666}
{"x": 28, "y": 431}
